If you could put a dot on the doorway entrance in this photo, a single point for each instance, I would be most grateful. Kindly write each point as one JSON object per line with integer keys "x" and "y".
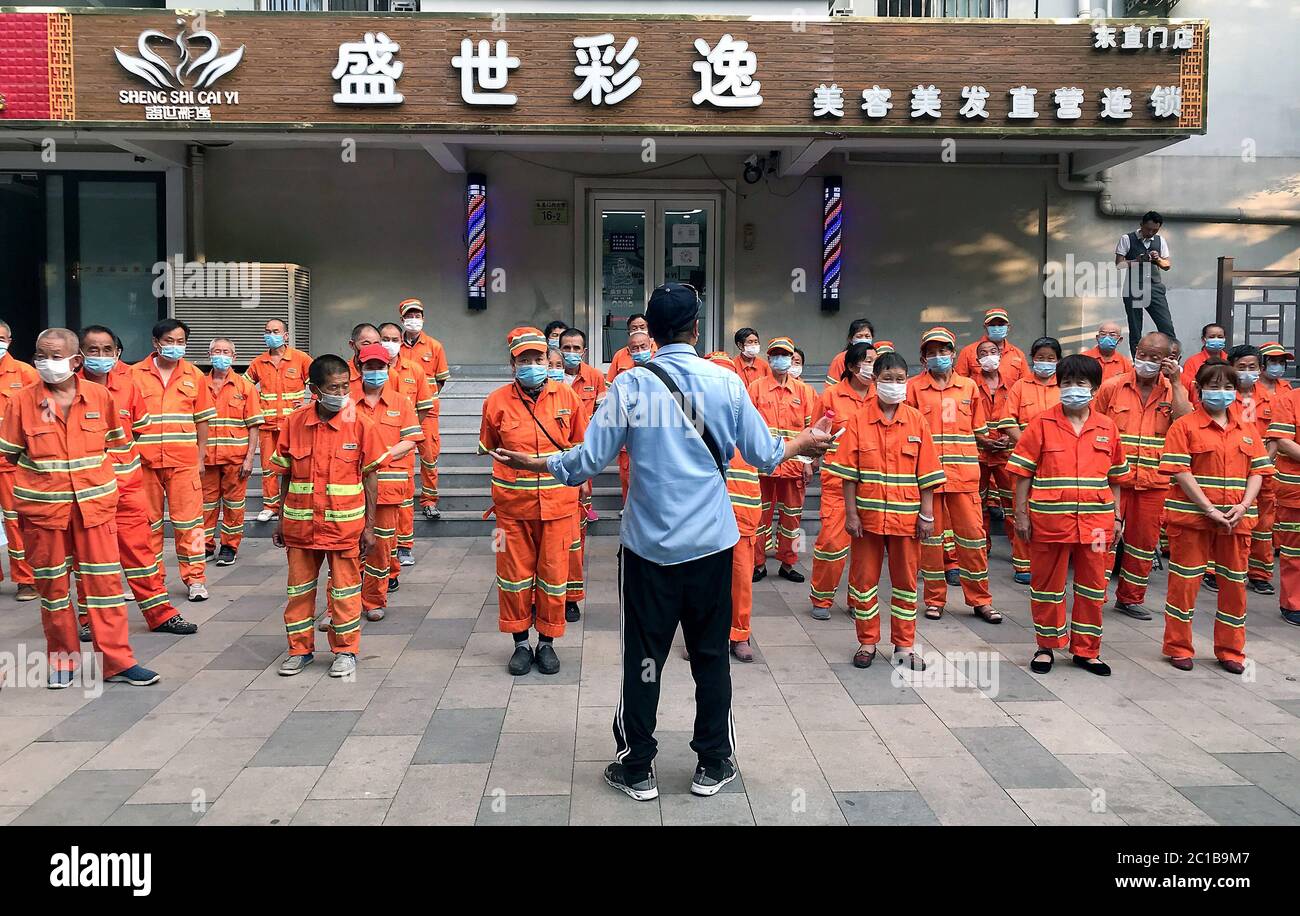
{"x": 641, "y": 241}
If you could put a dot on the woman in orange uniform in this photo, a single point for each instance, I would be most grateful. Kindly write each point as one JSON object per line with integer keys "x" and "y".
{"x": 536, "y": 514}
{"x": 1218, "y": 462}
{"x": 888, "y": 469}
{"x": 1260, "y": 403}
{"x": 831, "y": 550}
{"x": 860, "y": 331}
{"x": 993, "y": 381}
{"x": 1029, "y": 397}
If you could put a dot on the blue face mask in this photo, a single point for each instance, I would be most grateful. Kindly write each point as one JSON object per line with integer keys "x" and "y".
{"x": 273, "y": 341}
{"x": 1044, "y": 369}
{"x": 997, "y": 331}
{"x": 374, "y": 378}
{"x": 782, "y": 363}
{"x": 1218, "y": 400}
{"x": 1076, "y": 396}
{"x": 221, "y": 362}
{"x": 1247, "y": 379}
{"x": 530, "y": 376}
{"x": 4, "y": 348}
{"x": 100, "y": 365}
{"x": 1275, "y": 370}
{"x": 641, "y": 358}
{"x": 573, "y": 360}
{"x": 1107, "y": 344}
{"x": 556, "y": 374}
{"x": 172, "y": 351}
{"x": 939, "y": 363}
{"x": 1215, "y": 343}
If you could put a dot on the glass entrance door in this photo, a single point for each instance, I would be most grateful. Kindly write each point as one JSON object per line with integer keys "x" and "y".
{"x": 640, "y": 243}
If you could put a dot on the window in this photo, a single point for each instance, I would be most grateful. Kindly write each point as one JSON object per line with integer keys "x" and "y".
{"x": 966, "y": 9}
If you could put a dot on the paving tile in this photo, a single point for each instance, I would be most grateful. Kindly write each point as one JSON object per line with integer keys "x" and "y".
{"x": 354, "y": 693}
{"x": 537, "y": 764}
{"x": 1276, "y": 774}
{"x": 16, "y": 732}
{"x": 798, "y": 665}
{"x": 265, "y": 795}
{"x": 366, "y": 766}
{"x": 874, "y": 686}
{"x": 595, "y": 734}
{"x": 445, "y": 793}
{"x": 721, "y": 810}
{"x": 306, "y": 739}
{"x": 1120, "y": 783}
{"x": 395, "y": 711}
{"x": 460, "y": 736}
{"x": 84, "y": 798}
{"x": 1206, "y": 728}
{"x": 154, "y": 815}
{"x": 524, "y": 811}
{"x": 595, "y": 803}
{"x": 149, "y": 743}
{"x": 476, "y": 688}
{"x": 1236, "y": 806}
{"x": 542, "y": 709}
{"x": 1060, "y": 729}
{"x": 1173, "y": 757}
{"x": 1014, "y": 759}
{"x": 1064, "y": 808}
{"x": 912, "y": 731}
{"x": 200, "y": 771}
{"x": 206, "y": 693}
{"x": 435, "y": 633}
{"x": 675, "y": 765}
{"x": 856, "y": 762}
{"x": 342, "y": 812}
{"x": 39, "y": 767}
{"x": 823, "y": 707}
{"x": 425, "y": 671}
{"x": 250, "y": 653}
{"x": 256, "y": 713}
{"x": 960, "y": 791}
{"x": 886, "y": 809}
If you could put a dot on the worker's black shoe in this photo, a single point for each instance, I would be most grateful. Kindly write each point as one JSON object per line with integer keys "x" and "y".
{"x": 1211, "y": 582}
{"x": 226, "y": 555}
{"x": 571, "y": 612}
{"x": 952, "y": 577}
{"x": 83, "y": 631}
{"x": 789, "y": 573}
{"x": 1092, "y": 666}
{"x": 1291, "y": 617}
{"x": 177, "y": 626}
{"x": 521, "y": 662}
{"x": 710, "y": 780}
{"x": 1136, "y": 611}
{"x": 547, "y": 661}
{"x": 760, "y": 572}
{"x": 394, "y": 584}
{"x": 1261, "y": 586}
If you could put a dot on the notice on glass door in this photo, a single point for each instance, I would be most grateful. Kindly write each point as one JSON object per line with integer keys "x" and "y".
{"x": 686, "y": 256}
{"x": 686, "y": 233}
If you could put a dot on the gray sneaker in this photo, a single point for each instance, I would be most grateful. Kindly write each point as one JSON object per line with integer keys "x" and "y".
{"x": 295, "y": 664}
{"x": 821, "y": 613}
{"x": 644, "y": 789}
{"x": 710, "y": 780}
{"x": 345, "y": 663}
{"x": 405, "y": 557}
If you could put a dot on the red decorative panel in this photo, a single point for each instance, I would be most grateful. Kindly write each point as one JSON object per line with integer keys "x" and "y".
{"x": 24, "y": 65}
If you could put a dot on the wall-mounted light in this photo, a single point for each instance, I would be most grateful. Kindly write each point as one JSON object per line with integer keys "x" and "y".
{"x": 832, "y": 219}
{"x": 476, "y": 241}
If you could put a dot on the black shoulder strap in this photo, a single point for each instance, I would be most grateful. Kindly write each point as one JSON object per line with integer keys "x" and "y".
{"x": 705, "y": 433}
{"x": 529, "y": 407}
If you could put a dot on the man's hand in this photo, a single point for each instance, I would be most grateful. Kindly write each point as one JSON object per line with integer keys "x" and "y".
{"x": 277, "y": 536}
{"x": 814, "y": 441}
{"x": 1170, "y": 370}
{"x": 520, "y": 461}
{"x": 853, "y": 524}
{"x": 924, "y": 529}
{"x": 1234, "y": 515}
{"x": 246, "y": 468}
{"x": 807, "y": 472}
{"x": 367, "y": 540}
{"x": 1023, "y": 530}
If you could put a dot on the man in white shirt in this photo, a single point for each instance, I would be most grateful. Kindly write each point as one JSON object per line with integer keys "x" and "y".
{"x": 1146, "y": 254}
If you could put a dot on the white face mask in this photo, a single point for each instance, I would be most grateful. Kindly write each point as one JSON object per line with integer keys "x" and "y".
{"x": 866, "y": 372}
{"x": 991, "y": 362}
{"x": 393, "y": 348}
{"x": 796, "y": 371}
{"x": 54, "y": 371}
{"x": 891, "y": 392}
{"x": 414, "y": 325}
{"x": 751, "y": 351}
{"x": 1146, "y": 368}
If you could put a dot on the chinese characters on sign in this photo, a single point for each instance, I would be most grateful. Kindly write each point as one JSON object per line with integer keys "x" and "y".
{"x": 367, "y": 73}
{"x": 1104, "y": 37}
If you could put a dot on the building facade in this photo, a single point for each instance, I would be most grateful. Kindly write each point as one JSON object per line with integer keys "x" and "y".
{"x": 565, "y": 186}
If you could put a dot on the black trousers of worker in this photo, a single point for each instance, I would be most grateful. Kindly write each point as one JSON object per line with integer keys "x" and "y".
{"x": 654, "y": 599}
{"x": 1157, "y": 307}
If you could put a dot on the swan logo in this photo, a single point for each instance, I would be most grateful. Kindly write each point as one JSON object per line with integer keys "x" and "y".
{"x": 200, "y": 70}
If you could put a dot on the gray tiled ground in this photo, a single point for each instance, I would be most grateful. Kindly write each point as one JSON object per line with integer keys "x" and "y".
{"x": 434, "y": 731}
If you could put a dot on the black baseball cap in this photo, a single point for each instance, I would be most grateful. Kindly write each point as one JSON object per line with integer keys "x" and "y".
{"x": 673, "y": 307}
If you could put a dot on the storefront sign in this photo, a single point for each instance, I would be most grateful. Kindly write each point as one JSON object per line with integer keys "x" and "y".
{"x": 642, "y": 74}
{"x": 550, "y": 213}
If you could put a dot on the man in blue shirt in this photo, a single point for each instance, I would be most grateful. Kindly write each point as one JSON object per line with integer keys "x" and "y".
{"x": 678, "y": 530}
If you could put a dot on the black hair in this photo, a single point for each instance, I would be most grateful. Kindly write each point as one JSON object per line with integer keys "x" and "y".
{"x": 1242, "y": 351}
{"x": 854, "y": 356}
{"x": 1151, "y": 216}
{"x": 553, "y": 326}
{"x": 802, "y": 358}
{"x": 1077, "y": 366}
{"x": 390, "y": 324}
{"x": 167, "y": 325}
{"x": 742, "y": 334}
{"x": 100, "y": 329}
{"x": 1050, "y": 342}
{"x": 358, "y": 328}
{"x": 1213, "y": 324}
{"x": 634, "y": 316}
{"x": 322, "y": 367}
{"x": 891, "y": 360}
{"x": 1216, "y": 370}
{"x": 570, "y": 332}
{"x": 857, "y": 324}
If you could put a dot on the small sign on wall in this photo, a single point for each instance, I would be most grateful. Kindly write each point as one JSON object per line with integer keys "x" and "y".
{"x": 550, "y": 212}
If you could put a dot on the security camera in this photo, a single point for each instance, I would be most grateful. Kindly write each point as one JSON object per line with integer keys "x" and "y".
{"x": 753, "y": 169}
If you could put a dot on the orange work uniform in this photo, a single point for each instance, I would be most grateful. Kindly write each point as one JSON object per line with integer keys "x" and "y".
{"x": 623, "y": 361}
{"x": 1263, "y": 406}
{"x": 395, "y": 419}
{"x": 1142, "y": 425}
{"x": 1027, "y": 399}
{"x": 65, "y": 491}
{"x": 995, "y": 482}
{"x": 1111, "y": 366}
{"x": 751, "y": 371}
{"x": 144, "y": 570}
{"x": 1072, "y": 516}
{"x": 238, "y": 411}
{"x": 535, "y": 512}
{"x": 1222, "y": 459}
{"x": 281, "y": 389}
{"x": 747, "y": 503}
{"x": 891, "y": 461}
{"x": 323, "y": 465}
{"x": 1014, "y": 365}
{"x": 787, "y": 407}
{"x": 427, "y": 352}
{"x": 831, "y": 549}
{"x": 415, "y": 386}
{"x": 952, "y": 414}
{"x": 1195, "y": 362}
{"x": 589, "y": 385}
{"x": 169, "y": 451}
{"x": 14, "y": 377}
{"x": 1287, "y": 525}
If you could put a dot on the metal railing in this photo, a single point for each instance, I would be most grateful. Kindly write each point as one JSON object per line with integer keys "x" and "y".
{"x": 1257, "y": 306}
{"x": 966, "y": 9}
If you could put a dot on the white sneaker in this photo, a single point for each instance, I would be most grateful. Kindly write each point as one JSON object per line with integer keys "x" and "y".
{"x": 294, "y": 664}
{"x": 198, "y": 591}
{"x": 344, "y": 664}
{"x": 265, "y": 515}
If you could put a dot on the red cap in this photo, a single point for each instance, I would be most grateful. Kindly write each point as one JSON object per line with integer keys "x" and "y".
{"x": 372, "y": 351}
